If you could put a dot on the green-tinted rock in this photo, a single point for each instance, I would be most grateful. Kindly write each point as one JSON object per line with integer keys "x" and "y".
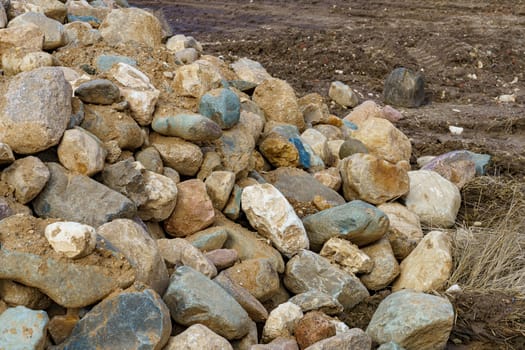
{"x": 351, "y": 146}
{"x": 105, "y": 62}
{"x": 188, "y": 126}
{"x": 193, "y": 298}
{"x": 209, "y": 239}
{"x": 222, "y": 106}
{"x": 405, "y": 88}
{"x": 130, "y": 320}
{"x": 357, "y": 221}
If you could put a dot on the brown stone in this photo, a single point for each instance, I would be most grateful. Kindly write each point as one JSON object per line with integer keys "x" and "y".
{"x": 313, "y": 327}
{"x": 257, "y": 276}
{"x": 60, "y": 327}
{"x": 223, "y": 258}
{"x": 386, "y": 268}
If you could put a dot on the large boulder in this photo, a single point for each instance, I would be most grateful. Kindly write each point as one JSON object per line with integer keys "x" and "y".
{"x": 131, "y": 25}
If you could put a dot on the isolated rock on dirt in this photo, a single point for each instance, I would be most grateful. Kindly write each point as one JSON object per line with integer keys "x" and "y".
{"x": 403, "y": 87}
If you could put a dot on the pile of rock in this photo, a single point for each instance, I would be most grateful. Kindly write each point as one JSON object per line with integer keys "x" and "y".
{"x": 166, "y": 200}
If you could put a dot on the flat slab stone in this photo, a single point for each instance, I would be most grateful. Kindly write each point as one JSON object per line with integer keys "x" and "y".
{"x": 23, "y": 328}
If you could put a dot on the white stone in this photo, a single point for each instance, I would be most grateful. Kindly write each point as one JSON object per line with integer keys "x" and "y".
{"x": 429, "y": 266}
{"x": 281, "y": 322}
{"x": 433, "y": 198}
{"x": 54, "y": 33}
{"x": 194, "y": 80}
{"x": 318, "y": 143}
{"x": 198, "y": 337}
{"x": 347, "y": 256}
{"x": 343, "y": 94}
{"x": 72, "y": 239}
{"x": 81, "y": 152}
{"x": 455, "y": 130}
{"x": 250, "y": 71}
{"x": 180, "y": 42}
{"x": 219, "y": 185}
{"x": 178, "y": 251}
{"x": 137, "y": 89}
{"x": 274, "y": 218}
{"x": 51, "y": 8}
{"x": 161, "y": 193}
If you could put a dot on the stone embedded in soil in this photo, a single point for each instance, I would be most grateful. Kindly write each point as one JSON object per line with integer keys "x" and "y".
{"x": 134, "y": 242}
{"x": 195, "y": 79}
{"x": 386, "y": 267}
{"x": 317, "y": 300}
{"x": 23, "y": 328}
{"x": 104, "y": 63}
{"x": 249, "y": 245}
{"x": 343, "y": 94}
{"x": 313, "y": 327}
{"x": 193, "y": 298}
{"x": 222, "y": 258}
{"x": 186, "y": 125}
{"x": 183, "y": 156}
{"x": 161, "y": 194}
{"x": 81, "y": 152}
{"x": 35, "y": 110}
{"x": 281, "y": 322}
{"x": 54, "y": 33}
{"x": 353, "y": 339}
{"x": 14, "y": 293}
{"x": 133, "y": 319}
{"x": 299, "y": 186}
{"x": 347, "y": 256}
{"x": 428, "y": 266}
{"x": 198, "y": 337}
{"x": 250, "y": 304}
{"x": 79, "y": 198}
{"x": 178, "y": 252}
{"x": 412, "y": 319}
{"x": 27, "y": 176}
{"x": 219, "y": 185}
{"x": 404, "y": 232}
{"x": 131, "y": 25}
{"x": 278, "y": 101}
{"x": 274, "y": 218}
{"x": 372, "y": 179}
{"x": 98, "y": 91}
{"x": 257, "y": 276}
{"x": 404, "y": 87}
{"x": 250, "y": 71}
{"x": 309, "y": 271}
{"x": 359, "y": 222}
{"x": 71, "y": 239}
{"x": 383, "y": 140}
{"x": 209, "y": 239}
{"x": 433, "y": 198}
{"x": 36, "y": 265}
{"x": 137, "y": 90}
{"x": 222, "y": 106}
{"x": 193, "y": 211}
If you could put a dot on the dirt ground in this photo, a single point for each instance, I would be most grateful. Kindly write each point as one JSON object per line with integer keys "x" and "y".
{"x": 470, "y": 52}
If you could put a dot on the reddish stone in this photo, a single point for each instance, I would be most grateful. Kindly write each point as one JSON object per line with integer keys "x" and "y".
{"x": 313, "y": 327}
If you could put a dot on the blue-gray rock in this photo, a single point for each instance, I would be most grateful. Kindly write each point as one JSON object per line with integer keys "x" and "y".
{"x": 94, "y": 21}
{"x": 22, "y": 328}
{"x": 235, "y": 148}
{"x": 79, "y": 198}
{"x": 357, "y": 221}
{"x": 186, "y": 125}
{"x": 222, "y": 106}
{"x": 77, "y": 113}
{"x": 105, "y": 62}
{"x": 127, "y": 178}
{"x": 414, "y": 320}
{"x": 35, "y": 110}
{"x": 37, "y": 265}
{"x": 98, "y": 91}
{"x": 480, "y": 160}
{"x": 405, "y": 88}
{"x": 209, "y": 239}
{"x": 131, "y": 320}
{"x": 309, "y": 271}
{"x": 232, "y": 210}
{"x": 194, "y": 298}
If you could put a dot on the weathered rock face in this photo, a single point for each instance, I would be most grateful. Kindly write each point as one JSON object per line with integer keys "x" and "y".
{"x": 274, "y": 218}
{"x": 281, "y": 322}
{"x": 383, "y": 140}
{"x": 21, "y": 327}
{"x": 222, "y": 106}
{"x": 313, "y": 327}
{"x": 183, "y": 156}
{"x": 433, "y": 198}
{"x": 161, "y": 194}
{"x": 193, "y": 211}
{"x": 127, "y": 178}
{"x": 27, "y": 176}
{"x": 198, "y": 337}
{"x": 209, "y": 239}
{"x": 404, "y": 87}
{"x": 81, "y": 152}
{"x": 308, "y": 271}
{"x": 131, "y": 25}
{"x": 317, "y": 300}
{"x": 36, "y": 264}
{"x": 178, "y": 252}
{"x": 372, "y": 179}
{"x": 343, "y": 94}
{"x": 222, "y": 258}
{"x": 193, "y": 298}
{"x": 115, "y": 323}
{"x": 250, "y": 71}
{"x": 54, "y": 34}
{"x": 219, "y": 185}
{"x": 188, "y": 126}
{"x": 35, "y": 110}
{"x": 17, "y": 294}
{"x": 81, "y": 33}
{"x": 428, "y": 266}
{"x": 81, "y": 199}
{"x": 386, "y": 268}
{"x": 346, "y": 256}
{"x": 278, "y": 101}
{"x": 412, "y": 319}
{"x": 132, "y": 240}
{"x": 356, "y": 221}
{"x": 194, "y": 80}
{"x": 405, "y": 231}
